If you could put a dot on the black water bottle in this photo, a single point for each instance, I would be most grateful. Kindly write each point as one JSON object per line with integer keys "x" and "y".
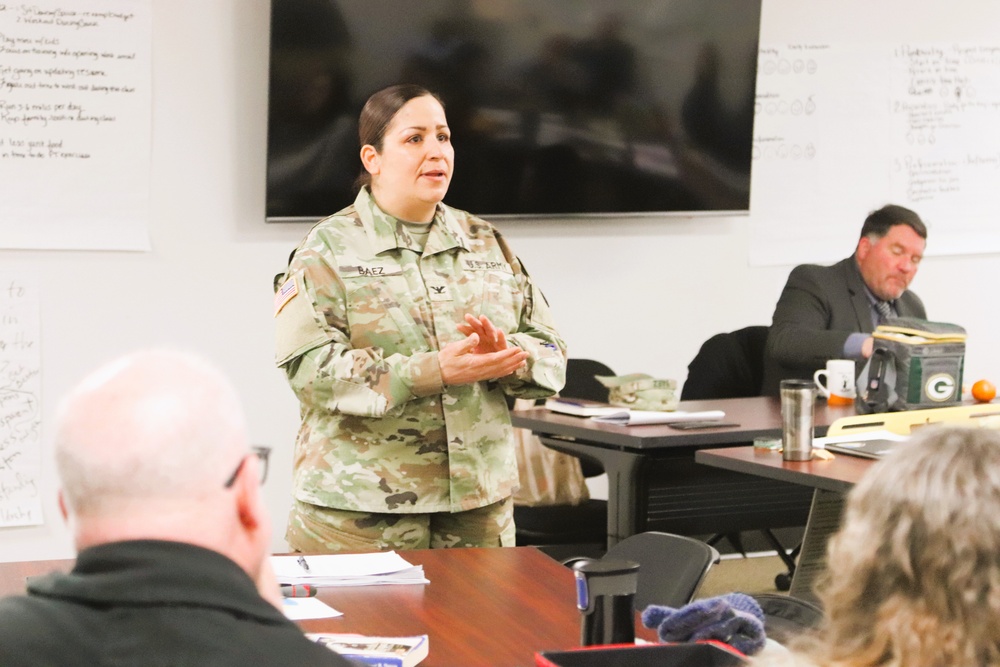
{"x": 605, "y": 595}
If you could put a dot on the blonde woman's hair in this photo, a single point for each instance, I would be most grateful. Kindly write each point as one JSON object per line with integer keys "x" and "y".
{"x": 913, "y": 575}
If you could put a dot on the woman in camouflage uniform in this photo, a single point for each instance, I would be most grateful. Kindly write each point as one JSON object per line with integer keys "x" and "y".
{"x": 402, "y": 324}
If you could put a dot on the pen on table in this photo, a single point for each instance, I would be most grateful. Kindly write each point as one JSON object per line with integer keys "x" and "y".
{"x": 302, "y": 561}
{"x": 298, "y": 591}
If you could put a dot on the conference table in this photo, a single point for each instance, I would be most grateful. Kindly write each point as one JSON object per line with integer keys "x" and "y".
{"x": 493, "y": 607}
{"x": 838, "y": 474}
{"x": 655, "y": 482}
{"x": 829, "y": 480}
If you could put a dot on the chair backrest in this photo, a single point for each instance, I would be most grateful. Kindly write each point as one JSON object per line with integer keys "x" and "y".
{"x": 728, "y": 365}
{"x": 580, "y": 382}
{"x": 671, "y": 567}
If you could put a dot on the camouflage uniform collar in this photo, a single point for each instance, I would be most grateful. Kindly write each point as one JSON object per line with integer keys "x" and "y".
{"x": 446, "y": 233}
{"x": 386, "y": 232}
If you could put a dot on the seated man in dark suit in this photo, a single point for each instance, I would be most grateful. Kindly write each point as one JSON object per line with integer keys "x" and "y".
{"x": 162, "y": 493}
{"x": 829, "y": 312}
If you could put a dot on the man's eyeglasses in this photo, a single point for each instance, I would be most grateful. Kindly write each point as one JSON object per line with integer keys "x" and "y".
{"x": 262, "y": 454}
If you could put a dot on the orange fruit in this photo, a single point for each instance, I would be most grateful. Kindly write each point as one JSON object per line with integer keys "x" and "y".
{"x": 984, "y": 391}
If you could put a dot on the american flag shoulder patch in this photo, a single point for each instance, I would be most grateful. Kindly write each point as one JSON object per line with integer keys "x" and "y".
{"x": 285, "y": 293}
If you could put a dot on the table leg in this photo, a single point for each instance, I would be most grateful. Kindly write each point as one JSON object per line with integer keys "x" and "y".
{"x": 622, "y": 469}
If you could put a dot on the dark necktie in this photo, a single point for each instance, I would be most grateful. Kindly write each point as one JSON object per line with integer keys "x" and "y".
{"x": 884, "y": 311}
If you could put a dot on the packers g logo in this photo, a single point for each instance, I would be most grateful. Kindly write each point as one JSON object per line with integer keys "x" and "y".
{"x": 939, "y": 387}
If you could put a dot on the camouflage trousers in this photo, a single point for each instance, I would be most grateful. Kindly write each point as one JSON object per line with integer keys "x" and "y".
{"x": 315, "y": 529}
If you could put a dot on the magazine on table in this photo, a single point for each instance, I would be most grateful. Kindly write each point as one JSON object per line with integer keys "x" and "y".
{"x": 380, "y": 651}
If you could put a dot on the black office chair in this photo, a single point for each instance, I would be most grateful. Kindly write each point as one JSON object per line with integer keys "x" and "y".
{"x": 728, "y": 365}
{"x": 568, "y": 531}
{"x": 671, "y": 567}
{"x": 731, "y": 365}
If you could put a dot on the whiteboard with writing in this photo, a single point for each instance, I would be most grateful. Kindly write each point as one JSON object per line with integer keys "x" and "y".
{"x": 75, "y": 100}
{"x": 20, "y": 408}
{"x": 875, "y": 104}
{"x": 945, "y": 118}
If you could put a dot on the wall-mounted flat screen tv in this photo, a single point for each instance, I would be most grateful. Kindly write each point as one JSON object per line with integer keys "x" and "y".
{"x": 557, "y": 107}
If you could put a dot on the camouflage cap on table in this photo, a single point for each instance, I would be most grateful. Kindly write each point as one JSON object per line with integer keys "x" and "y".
{"x": 639, "y": 391}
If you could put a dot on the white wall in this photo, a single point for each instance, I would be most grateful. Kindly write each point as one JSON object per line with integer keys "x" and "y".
{"x": 639, "y": 294}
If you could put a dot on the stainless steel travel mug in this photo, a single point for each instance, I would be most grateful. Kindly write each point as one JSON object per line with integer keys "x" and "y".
{"x": 605, "y": 595}
{"x": 798, "y": 398}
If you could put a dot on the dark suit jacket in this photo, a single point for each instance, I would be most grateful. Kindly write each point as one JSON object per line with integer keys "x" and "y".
{"x": 818, "y": 309}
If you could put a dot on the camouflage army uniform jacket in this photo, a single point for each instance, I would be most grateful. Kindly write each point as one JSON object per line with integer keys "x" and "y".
{"x": 360, "y": 316}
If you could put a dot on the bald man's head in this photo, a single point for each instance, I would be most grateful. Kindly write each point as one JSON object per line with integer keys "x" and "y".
{"x": 156, "y": 427}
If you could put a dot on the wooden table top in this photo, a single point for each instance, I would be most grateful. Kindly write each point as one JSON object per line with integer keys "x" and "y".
{"x": 493, "y": 607}
{"x": 837, "y": 474}
{"x": 757, "y": 417}
{"x": 482, "y": 607}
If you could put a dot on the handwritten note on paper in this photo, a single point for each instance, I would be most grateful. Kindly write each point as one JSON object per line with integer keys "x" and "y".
{"x": 75, "y": 114}
{"x": 945, "y": 105}
{"x": 20, "y": 409}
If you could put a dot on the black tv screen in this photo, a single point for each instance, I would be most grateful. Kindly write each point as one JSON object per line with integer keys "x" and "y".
{"x": 556, "y": 107}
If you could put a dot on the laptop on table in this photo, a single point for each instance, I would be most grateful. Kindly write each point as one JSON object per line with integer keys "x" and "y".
{"x": 871, "y": 445}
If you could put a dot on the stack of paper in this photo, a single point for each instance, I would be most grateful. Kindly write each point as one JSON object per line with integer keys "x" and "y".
{"x": 604, "y": 413}
{"x": 633, "y": 417}
{"x": 301, "y": 609}
{"x": 347, "y": 570}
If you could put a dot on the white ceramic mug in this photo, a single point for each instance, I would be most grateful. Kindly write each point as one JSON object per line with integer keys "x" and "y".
{"x": 839, "y": 386}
